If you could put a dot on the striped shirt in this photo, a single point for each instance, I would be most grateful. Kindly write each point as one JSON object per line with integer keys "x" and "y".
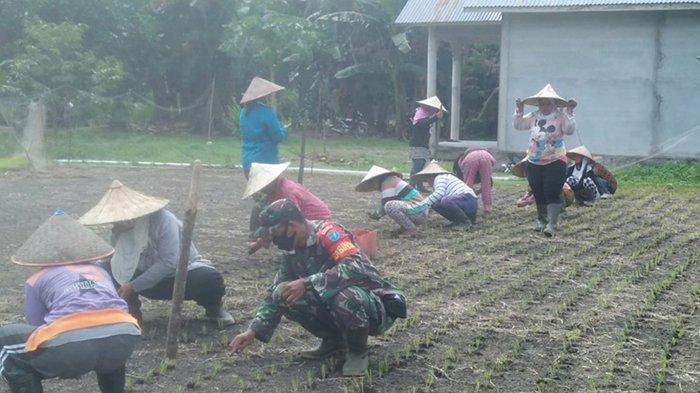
{"x": 396, "y": 189}
{"x": 446, "y": 185}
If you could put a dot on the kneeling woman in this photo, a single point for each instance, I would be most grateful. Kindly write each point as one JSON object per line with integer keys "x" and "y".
{"x": 588, "y": 179}
{"x": 400, "y": 201}
{"x": 77, "y": 322}
{"x": 451, "y": 198}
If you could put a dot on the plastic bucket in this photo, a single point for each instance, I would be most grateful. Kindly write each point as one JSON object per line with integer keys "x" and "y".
{"x": 367, "y": 240}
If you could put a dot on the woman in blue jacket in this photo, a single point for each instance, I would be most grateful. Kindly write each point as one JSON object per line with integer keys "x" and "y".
{"x": 261, "y": 131}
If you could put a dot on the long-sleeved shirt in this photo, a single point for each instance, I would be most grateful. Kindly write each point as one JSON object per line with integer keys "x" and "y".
{"x": 55, "y": 292}
{"x": 159, "y": 259}
{"x": 330, "y": 263}
{"x": 541, "y": 152}
{"x": 445, "y": 185}
{"x": 311, "y": 206}
{"x": 479, "y": 163}
{"x": 261, "y": 132}
{"x": 420, "y": 135}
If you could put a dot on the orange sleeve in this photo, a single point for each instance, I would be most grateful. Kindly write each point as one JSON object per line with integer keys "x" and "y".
{"x": 336, "y": 241}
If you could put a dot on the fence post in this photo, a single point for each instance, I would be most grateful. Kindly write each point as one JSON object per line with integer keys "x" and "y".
{"x": 181, "y": 272}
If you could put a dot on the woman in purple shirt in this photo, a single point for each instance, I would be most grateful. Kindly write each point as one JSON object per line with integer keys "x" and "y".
{"x": 76, "y": 321}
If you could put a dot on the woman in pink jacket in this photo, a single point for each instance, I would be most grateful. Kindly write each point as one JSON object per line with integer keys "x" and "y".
{"x": 475, "y": 166}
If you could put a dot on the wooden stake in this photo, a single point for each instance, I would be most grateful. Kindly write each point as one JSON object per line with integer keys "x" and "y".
{"x": 181, "y": 272}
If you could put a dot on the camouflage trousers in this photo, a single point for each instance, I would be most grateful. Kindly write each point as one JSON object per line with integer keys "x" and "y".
{"x": 351, "y": 308}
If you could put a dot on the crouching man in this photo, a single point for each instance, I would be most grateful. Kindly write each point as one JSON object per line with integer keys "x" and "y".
{"x": 327, "y": 285}
{"x": 76, "y": 321}
{"x": 146, "y": 237}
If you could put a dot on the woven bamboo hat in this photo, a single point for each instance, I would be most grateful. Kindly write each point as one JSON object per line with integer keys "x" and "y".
{"x": 433, "y": 168}
{"x": 261, "y": 175}
{"x": 598, "y": 168}
{"x": 61, "y": 240}
{"x": 259, "y": 88}
{"x": 546, "y": 92}
{"x": 582, "y": 151}
{"x": 121, "y": 203}
{"x": 375, "y": 174}
{"x": 520, "y": 169}
{"x": 433, "y": 102}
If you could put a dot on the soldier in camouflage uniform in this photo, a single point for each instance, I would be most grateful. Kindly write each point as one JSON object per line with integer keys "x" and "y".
{"x": 326, "y": 284}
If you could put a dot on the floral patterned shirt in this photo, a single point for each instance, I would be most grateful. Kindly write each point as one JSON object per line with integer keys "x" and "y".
{"x": 541, "y": 151}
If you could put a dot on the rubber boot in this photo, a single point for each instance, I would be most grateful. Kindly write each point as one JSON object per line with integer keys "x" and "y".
{"x": 25, "y": 382}
{"x": 357, "y": 358}
{"x": 329, "y": 346}
{"x": 553, "y": 210}
{"x": 220, "y": 316}
{"x": 541, "y": 217}
{"x": 113, "y": 382}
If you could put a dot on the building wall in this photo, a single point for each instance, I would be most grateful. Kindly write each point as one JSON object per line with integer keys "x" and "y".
{"x": 679, "y": 84}
{"x": 634, "y": 74}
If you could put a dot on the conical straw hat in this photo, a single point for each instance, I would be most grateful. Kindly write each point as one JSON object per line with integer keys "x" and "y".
{"x": 121, "y": 203}
{"x": 520, "y": 169}
{"x": 433, "y": 168}
{"x": 261, "y": 175}
{"x": 433, "y": 102}
{"x": 259, "y": 88}
{"x": 583, "y": 152}
{"x": 369, "y": 183}
{"x": 546, "y": 92}
{"x": 61, "y": 240}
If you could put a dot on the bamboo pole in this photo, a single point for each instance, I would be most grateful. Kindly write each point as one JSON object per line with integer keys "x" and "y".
{"x": 181, "y": 272}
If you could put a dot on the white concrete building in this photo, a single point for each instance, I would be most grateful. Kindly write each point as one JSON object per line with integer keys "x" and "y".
{"x": 632, "y": 65}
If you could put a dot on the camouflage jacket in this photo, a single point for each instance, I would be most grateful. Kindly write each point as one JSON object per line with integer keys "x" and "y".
{"x": 330, "y": 262}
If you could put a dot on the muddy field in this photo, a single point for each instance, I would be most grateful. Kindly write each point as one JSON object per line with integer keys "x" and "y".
{"x": 610, "y": 304}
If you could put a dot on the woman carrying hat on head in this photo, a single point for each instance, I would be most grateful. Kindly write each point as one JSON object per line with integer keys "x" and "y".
{"x": 451, "y": 198}
{"x": 147, "y": 238}
{"x": 427, "y": 113}
{"x": 266, "y": 185}
{"x": 588, "y": 179}
{"x": 261, "y": 131}
{"x": 546, "y": 155}
{"x": 399, "y": 201}
{"x": 76, "y": 321}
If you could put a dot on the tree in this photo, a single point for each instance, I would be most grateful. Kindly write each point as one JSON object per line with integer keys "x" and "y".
{"x": 54, "y": 65}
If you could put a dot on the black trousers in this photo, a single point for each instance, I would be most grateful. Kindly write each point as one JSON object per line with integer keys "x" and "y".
{"x": 204, "y": 285}
{"x": 418, "y": 165}
{"x": 24, "y": 371}
{"x": 546, "y": 181}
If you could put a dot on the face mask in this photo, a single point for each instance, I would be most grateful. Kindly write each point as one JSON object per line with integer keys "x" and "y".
{"x": 284, "y": 243}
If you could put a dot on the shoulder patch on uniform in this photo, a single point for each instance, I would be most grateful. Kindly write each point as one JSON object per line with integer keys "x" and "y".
{"x": 333, "y": 236}
{"x": 336, "y": 241}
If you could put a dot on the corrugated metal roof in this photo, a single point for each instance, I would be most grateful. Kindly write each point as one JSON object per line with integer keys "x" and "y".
{"x": 571, "y": 3}
{"x": 421, "y": 12}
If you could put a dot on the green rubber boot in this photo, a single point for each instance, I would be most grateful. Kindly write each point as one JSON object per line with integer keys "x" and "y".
{"x": 541, "y": 218}
{"x": 329, "y": 346}
{"x": 553, "y": 210}
{"x": 357, "y": 358}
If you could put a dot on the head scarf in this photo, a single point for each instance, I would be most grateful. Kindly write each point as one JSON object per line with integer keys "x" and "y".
{"x": 421, "y": 113}
{"x": 129, "y": 245}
